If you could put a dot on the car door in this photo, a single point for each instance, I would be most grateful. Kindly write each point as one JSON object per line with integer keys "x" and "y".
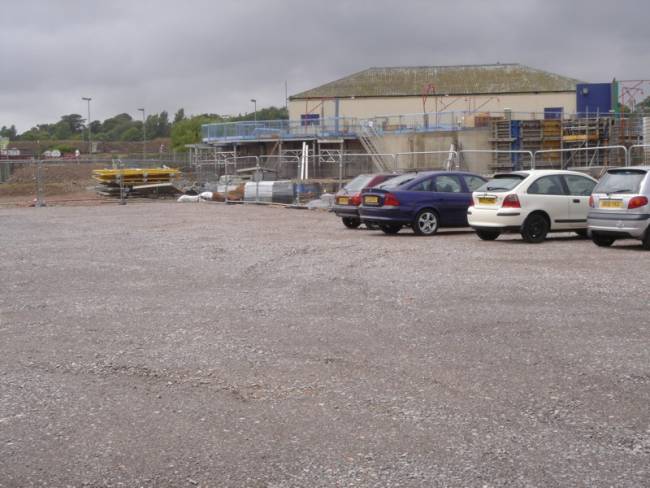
{"x": 453, "y": 200}
{"x": 421, "y": 195}
{"x": 580, "y": 188}
{"x": 548, "y": 193}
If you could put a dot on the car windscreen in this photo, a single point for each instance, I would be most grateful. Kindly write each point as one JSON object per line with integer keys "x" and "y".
{"x": 502, "y": 183}
{"x": 397, "y": 181}
{"x": 358, "y": 183}
{"x": 621, "y": 181}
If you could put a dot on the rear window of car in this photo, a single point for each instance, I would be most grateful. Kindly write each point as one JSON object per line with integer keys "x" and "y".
{"x": 502, "y": 183}
{"x": 621, "y": 181}
{"x": 358, "y": 183}
{"x": 397, "y": 181}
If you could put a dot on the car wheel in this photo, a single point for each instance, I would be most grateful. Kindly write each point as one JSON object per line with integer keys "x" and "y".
{"x": 390, "y": 228}
{"x": 351, "y": 222}
{"x": 535, "y": 229}
{"x": 602, "y": 241}
{"x": 487, "y": 235}
{"x": 426, "y": 223}
{"x": 645, "y": 243}
{"x": 582, "y": 233}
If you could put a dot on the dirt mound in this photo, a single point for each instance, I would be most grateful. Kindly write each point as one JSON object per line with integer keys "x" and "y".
{"x": 58, "y": 179}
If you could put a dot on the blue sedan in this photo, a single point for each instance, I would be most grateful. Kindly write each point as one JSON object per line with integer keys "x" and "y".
{"x": 423, "y": 201}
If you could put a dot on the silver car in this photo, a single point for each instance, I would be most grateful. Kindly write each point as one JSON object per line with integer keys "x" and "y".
{"x": 620, "y": 207}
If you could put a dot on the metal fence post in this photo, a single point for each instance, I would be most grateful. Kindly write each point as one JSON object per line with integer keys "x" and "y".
{"x": 225, "y": 188}
{"x": 122, "y": 192}
{"x": 340, "y": 170}
{"x": 39, "y": 183}
{"x": 257, "y": 179}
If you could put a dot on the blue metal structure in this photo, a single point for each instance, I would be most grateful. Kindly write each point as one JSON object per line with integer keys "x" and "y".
{"x": 593, "y": 98}
{"x": 339, "y": 127}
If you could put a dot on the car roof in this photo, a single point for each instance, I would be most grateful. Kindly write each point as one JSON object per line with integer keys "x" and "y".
{"x": 541, "y": 172}
{"x": 641, "y": 166}
{"x": 443, "y": 172}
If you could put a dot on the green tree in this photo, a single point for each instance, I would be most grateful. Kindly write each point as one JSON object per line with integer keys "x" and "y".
{"x": 164, "y": 127}
{"x": 112, "y": 122}
{"x": 179, "y": 116}
{"x": 188, "y": 131}
{"x": 132, "y": 134}
{"x": 74, "y": 122}
{"x": 95, "y": 126}
{"x": 9, "y": 132}
{"x": 269, "y": 113}
{"x": 643, "y": 106}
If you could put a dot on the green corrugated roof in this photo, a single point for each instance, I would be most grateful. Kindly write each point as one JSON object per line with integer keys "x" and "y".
{"x": 449, "y": 80}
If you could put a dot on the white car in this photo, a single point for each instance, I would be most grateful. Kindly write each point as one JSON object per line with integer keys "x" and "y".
{"x": 533, "y": 203}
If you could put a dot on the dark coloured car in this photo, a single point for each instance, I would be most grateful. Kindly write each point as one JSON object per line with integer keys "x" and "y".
{"x": 424, "y": 201}
{"x": 348, "y": 198}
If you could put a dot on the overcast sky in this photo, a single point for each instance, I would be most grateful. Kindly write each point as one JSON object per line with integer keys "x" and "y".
{"x": 215, "y": 55}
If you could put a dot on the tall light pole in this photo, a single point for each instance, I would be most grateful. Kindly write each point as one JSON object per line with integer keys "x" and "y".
{"x": 144, "y": 135}
{"x": 254, "y": 102}
{"x": 90, "y": 144}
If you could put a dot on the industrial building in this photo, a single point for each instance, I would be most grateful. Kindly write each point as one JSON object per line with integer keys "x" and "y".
{"x": 379, "y": 111}
{"x": 473, "y": 89}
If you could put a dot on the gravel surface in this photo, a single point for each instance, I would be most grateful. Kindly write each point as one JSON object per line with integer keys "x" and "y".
{"x": 168, "y": 344}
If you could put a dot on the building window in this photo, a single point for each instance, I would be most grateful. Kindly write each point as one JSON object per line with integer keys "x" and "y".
{"x": 309, "y": 119}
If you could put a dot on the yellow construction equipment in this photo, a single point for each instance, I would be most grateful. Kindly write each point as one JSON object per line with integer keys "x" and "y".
{"x": 135, "y": 176}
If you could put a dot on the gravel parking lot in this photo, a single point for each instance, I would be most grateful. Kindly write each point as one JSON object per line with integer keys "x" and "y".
{"x": 164, "y": 344}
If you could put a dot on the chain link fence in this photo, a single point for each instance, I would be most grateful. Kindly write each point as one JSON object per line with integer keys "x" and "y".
{"x": 228, "y": 177}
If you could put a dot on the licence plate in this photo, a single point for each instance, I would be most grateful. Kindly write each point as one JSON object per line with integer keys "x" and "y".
{"x": 344, "y": 200}
{"x": 371, "y": 199}
{"x": 487, "y": 200}
{"x": 611, "y": 203}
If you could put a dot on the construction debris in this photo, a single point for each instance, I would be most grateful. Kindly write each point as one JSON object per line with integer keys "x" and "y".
{"x": 136, "y": 181}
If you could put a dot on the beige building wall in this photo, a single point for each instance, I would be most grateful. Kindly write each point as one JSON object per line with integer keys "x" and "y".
{"x": 372, "y": 107}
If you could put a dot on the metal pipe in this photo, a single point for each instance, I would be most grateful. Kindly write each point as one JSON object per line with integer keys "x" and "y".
{"x": 577, "y": 149}
{"x": 501, "y": 151}
{"x": 631, "y": 148}
{"x": 90, "y": 144}
{"x": 144, "y": 135}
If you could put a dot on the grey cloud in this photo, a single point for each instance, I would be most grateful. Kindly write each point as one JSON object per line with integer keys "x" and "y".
{"x": 213, "y": 56}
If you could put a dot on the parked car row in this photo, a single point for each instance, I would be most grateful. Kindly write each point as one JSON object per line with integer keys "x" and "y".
{"x": 532, "y": 203}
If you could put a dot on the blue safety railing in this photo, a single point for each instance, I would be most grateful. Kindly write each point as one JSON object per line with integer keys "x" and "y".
{"x": 351, "y": 127}
{"x": 280, "y": 129}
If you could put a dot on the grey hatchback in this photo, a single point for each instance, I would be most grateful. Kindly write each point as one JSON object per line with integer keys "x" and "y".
{"x": 620, "y": 206}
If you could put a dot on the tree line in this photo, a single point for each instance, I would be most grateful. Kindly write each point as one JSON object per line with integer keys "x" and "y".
{"x": 122, "y": 127}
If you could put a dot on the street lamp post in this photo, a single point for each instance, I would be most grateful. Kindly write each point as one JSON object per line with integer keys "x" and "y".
{"x": 90, "y": 144}
{"x": 144, "y": 135}
{"x": 254, "y": 102}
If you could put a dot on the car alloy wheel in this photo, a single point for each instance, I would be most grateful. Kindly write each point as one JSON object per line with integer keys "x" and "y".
{"x": 426, "y": 223}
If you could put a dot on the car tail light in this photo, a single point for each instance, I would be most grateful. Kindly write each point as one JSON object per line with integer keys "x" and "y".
{"x": 636, "y": 202}
{"x": 391, "y": 200}
{"x": 511, "y": 201}
{"x": 591, "y": 201}
{"x": 355, "y": 199}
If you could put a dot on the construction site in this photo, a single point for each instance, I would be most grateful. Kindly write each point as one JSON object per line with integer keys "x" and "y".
{"x": 160, "y": 344}
{"x": 489, "y": 117}
{"x": 479, "y": 118}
